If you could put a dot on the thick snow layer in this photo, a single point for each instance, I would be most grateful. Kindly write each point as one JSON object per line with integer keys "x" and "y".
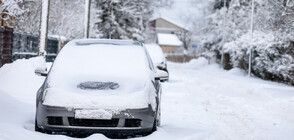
{"x": 197, "y": 63}
{"x": 24, "y": 90}
{"x": 125, "y": 66}
{"x": 155, "y": 53}
{"x": 168, "y": 39}
{"x": 202, "y": 102}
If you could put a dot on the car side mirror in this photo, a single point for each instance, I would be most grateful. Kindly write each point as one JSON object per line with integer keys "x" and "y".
{"x": 161, "y": 66}
{"x": 41, "y": 72}
{"x": 161, "y": 75}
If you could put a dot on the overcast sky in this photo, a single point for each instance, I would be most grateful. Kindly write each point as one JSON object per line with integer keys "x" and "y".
{"x": 183, "y": 12}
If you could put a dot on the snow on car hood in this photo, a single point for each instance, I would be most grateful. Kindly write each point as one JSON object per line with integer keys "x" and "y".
{"x": 100, "y": 76}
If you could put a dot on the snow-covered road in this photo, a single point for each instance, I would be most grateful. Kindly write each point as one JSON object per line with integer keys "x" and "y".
{"x": 199, "y": 102}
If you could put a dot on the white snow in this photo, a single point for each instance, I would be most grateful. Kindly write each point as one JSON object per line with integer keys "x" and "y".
{"x": 24, "y": 90}
{"x": 197, "y": 63}
{"x": 93, "y": 114}
{"x": 155, "y": 53}
{"x": 122, "y": 64}
{"x": 198, "y": 102}
{"x": 168, "y": 39}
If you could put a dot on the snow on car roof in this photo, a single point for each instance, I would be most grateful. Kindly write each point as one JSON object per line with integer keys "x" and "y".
{"x": 124, "y": 66}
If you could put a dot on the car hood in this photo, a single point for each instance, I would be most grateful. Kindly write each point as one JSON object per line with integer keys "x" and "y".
{"x": 103, "y": 95}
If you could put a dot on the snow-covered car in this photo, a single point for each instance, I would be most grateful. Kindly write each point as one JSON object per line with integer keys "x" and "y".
{"x": 158, "y": 58}
{"x": 100, "y": 86}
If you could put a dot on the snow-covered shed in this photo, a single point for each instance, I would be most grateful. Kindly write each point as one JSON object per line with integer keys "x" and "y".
{"x": 169, "y": 43}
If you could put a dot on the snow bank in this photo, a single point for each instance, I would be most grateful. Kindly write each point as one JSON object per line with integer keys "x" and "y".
{"x": 19, "y": 80}
{"x": 14, "y": 116}
{"x": 237, "y": 72}
{"x": 17, "y": 121}
{"x": 197, "y": 63}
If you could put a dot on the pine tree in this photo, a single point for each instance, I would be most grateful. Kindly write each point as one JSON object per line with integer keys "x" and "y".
{"x": 122, "y": 19}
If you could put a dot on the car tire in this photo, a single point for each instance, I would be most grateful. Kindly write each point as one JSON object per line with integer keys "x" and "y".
{"x": 154, "y": 128}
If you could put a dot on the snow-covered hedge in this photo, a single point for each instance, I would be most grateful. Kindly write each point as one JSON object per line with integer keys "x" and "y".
{"x": 272, "y": 56}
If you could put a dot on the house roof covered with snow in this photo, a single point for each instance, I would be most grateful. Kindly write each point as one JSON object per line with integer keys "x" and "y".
{"x": 168, "y": 39}
{"x": 169, "y": 21}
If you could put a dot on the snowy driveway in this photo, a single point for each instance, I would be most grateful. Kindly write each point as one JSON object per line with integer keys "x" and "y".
{"x": 199, "y": 102}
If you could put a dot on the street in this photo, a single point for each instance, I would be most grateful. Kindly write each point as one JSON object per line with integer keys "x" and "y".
{"x": 200, "y": 101}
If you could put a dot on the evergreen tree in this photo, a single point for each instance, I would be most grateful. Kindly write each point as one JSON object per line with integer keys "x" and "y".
{"x": 123, "y": 19}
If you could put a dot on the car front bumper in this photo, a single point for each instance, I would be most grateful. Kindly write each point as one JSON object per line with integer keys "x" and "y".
{"x": 62, "y": 120}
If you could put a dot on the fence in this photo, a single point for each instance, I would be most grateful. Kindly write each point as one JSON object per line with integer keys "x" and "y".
{"x": 26, "y": 46}
{"x": 180, "y": 58}
{"x": 17, "y": 45}
{"x": 6, "y": 38}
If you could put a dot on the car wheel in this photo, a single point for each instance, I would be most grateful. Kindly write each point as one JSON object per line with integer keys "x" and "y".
{"x": 154, "y": 128}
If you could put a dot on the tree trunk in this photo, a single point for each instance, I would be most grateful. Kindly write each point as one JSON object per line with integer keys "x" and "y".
{"x": 87, "y": 18}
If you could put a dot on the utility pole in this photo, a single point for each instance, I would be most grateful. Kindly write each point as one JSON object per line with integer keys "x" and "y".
{"x": 251, "y": 47}
{"x": 222, "y": 53}
{"x": 43, "y": 34}
{"x": 87, "y": 18}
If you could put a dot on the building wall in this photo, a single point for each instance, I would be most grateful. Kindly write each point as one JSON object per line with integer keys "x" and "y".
{"x": 169, "y": 49}
{"x": 7, "y": 23}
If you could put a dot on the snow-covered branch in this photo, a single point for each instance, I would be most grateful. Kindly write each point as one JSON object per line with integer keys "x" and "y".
{"x": 10, "y": 8}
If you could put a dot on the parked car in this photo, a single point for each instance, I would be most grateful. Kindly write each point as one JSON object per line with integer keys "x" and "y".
{"x": 158, "y": 58}
{"x": 100, "y": 86}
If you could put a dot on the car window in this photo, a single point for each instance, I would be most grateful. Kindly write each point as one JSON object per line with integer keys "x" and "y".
{"x": 151, "y": 66}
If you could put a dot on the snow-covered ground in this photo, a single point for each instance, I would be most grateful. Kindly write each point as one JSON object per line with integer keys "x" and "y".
{"x": 199, "y": 102}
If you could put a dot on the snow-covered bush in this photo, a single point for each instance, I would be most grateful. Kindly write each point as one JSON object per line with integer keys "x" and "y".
{"x": 226, "y": 24}
{"x": 123, "y": 19}
{"x": 228, "y": 31}
{"x": 273, "y": 57}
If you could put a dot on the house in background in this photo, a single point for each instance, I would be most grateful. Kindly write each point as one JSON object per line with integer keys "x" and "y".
{"x": 163, "y": 25}
{"x": 166, "y": 31}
